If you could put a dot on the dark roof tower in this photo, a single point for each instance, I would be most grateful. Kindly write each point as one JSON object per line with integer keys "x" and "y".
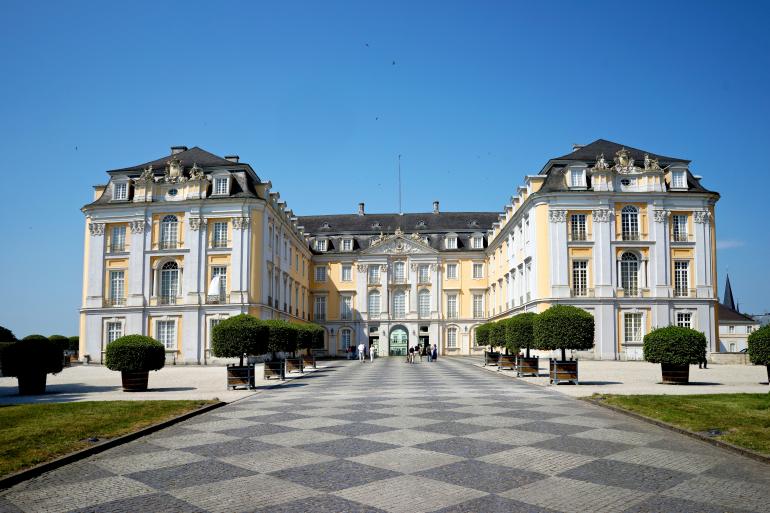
{"x": 728, "y": 298}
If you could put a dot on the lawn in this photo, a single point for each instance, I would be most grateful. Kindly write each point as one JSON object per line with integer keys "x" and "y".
{"x": 35, "y": 433}
{"x": 743, "y": 419}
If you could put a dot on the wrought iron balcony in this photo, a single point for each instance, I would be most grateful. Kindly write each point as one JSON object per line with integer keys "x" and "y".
{"x": 631, "y": 236}
{"x": 581, "y": 292}
{"x": 166, "y": 300}
{"x": 219, "y": 299}
{"x": 116, "y": 248}
{"x": 579, "y": 236}
{"x": 681, "y": 237}
{"x": 220, "y": 244}
{"x": 168, "y": 244}
{"x": 685, "y": 292}
{"x": 114, "y": 301}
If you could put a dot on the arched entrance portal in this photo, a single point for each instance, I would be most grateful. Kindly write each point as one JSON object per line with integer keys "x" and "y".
{"x": 399, "y": 341}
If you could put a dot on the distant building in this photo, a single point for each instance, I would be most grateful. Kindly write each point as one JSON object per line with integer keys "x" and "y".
{"x": 734, "y": 327}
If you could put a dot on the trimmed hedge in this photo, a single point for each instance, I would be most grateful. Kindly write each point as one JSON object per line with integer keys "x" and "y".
{"x": 759, "y": 346}
{"x": 564, "y": 327}
{"x": 74, "y": 343}
{"x": 242, "y": 334}
{"x": 32, "y": 356}
{"x": 675, "y": 345}
{"x": 282, "y": 337}
{"x": 135, "y": 353}
{"x": 6, "y": 335}
{"x": 61, "y": 341}
{"x": 35, "y": 337}
{"x": 309, "y": 336}
{"x": 482, "y": 334}
{"x": 497, "y": 333}
{"x": 519, "y": 332}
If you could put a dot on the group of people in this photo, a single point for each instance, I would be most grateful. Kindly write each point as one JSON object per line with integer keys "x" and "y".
{"x": 418, "y": 351}
{"x": 360, "y": 352}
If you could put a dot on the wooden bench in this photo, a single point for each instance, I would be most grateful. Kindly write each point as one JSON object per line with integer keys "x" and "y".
{"x": 529, "y": 366}
{"x": 308, "y": 361}
{"x": 491, "y": 357}
{"x": 240, "y": 375}
{"x": 506, "y": 361}
{"x": 274, "y": 370}
{"x": 292, "y": 364}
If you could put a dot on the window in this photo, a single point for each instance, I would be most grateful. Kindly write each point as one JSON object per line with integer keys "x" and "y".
{"x": 169, "y": 232}
{"x": 423, "y": 303}
{"x": 684, "y": 319}
{"x": 749, "y": 329}
{"x": 629, "y": 222}
{"x": 423, "y": 274}
{"x": 219, "y": 235}
{"x": 221, "y": 271}
{"x": 120, "y": 191}
{"x": 578, "y": 226}
{"x": 577, "y": 178}
{"x": 374, "y": 274}
{"x": 347, "y": 273}
{"x": 374, "y": 303}
{"x": 346, "y": 308}
{"x": 347, "y": 244}
{"x": 525, "y": 230}
{"x": 296, "y": 261}
{"x": 732, "y": 347}
{"x": 679, "y": 228}
{"x": 451, "y": 306}
{"x": 118, "y": 239}
{"x": 580, "y": 278}
{"x": 399, "y": 304}
{"x": 451, "y": 338}
{"x": 213, "y": 322}
{"x": 114, "y": 331}
{"x": 345, "y": 339}
{"x": 632, "y": 328}
{"x": 270, "y": 236}
{"x": 731, "y": 329}
{"x": 221, "y": 186}
{"x": 117, "y": 288}
{"x": 166, "y": 333}
{"x": 320, "y": 308}
{"x": 451, "y": 271}
{"x": 320, "y": 244}
{"x": 681, "y": 278}
{"x": 477, "y": 242}
{"x": 451, "y": 242}
{"x": 320, "y": 273}
{"x": 478, "y": 306}
{"x": 629, "y": 274}
{"x": 478, "y": 271}
{"x": 678, "y": 180}
{"x": 169, "y": 283}
{"x": 399, "y": 270}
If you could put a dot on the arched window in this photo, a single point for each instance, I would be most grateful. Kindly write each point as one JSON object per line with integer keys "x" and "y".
{"x": 374, "y": 303}
{"x": 169, "y": 232}
{"x": 399, "y": 304}
{"x": 629, "y": 222}
{"x": 169, "y": 283}
{"x": 345, "y": 339}
{"x": 423, "y": 302}
{"x": 451, "y": 337}
{"x": 629, "y": 274}
{"x": 399, "y": 272}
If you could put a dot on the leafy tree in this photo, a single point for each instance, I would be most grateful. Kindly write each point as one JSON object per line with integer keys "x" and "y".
{"x": 497, "y": 334}
{"x": 6, "y": 335}
{"x": 30, "y": 357}
{"x": 74, "y": 343}
{"x": 564, "y": 327}
{"x": 483, "y": 334}
{"x": 675, "y": 345}
{"x": 519, "y": 332}
{"x": 239, "y": 335}
{"x": 60, "y": 341}
{"x": 282, "y": 336}
{"x": 134, "y": 353}
{"x": 759, "y": 348}
{"x": 308, "y": 336}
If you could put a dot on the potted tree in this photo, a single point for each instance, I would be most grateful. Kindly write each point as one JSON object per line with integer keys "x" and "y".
{"x": 563, "y": 327}
{"x": 134, "y": 356}
{"x": 759, "y": 348}
{"x": 62, "y": 343}
{"x": 484, "y": 338}
{"x": 307, "y": 339}
{"x": 30, "y": 361}
{"x": 519, "y": 333}
{"x": 500, "y": 334}
{"x": 235, "y": 337}
{"x": 282, "y": 338}
{"x": 675, "y": 348}
{"x": 74, "y": 347}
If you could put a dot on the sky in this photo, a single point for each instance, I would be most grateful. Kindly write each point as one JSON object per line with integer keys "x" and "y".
{"x": 321, "y": 98}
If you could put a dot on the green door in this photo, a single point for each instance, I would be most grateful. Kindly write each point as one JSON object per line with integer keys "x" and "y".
{"x": 399, "y": 339}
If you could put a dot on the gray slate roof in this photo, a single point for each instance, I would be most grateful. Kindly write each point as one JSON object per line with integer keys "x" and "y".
{"x": 194, "y": 155}
{"x": 728, "y": 315}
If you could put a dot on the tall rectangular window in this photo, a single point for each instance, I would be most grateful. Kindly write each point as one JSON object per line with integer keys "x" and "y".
{"x": 423, "y": 274}
{"x": 451, "y": 306}
{"x": 166, "y": 333}
{"x": 451, "y": 338}
{"x": 684, "y": 319}
{"x": 579, "y": 278}
{"x": 117, "y": 288}
{"x": 219, "y": 235}
{"x": 451, "y": 243}
{"x": 121, "y": 191}
{"x": 477, "y": 242}
{"x": 320, "y": 273}
{"x": 114, "y": 331}
{"x": 478, "y": 306}
{"x": 399, "y": 272}
{"x": 374, "y": 303}
{"x": 347, "y": 273}
{"x": 221, "y": 186}
{"x": 576, "y": 178}
{"x": 320, "y": 245}
{"x": 678, "y": 180}
{"x": 213, "y": 324}
{"x": 423, "y": 304}
{"x": 374, "y": 274}
{"x": 478, "y": 271}
{"x": 681, "y": 278}
{"x": 632, "y": 328}
{"x": 399, "y": 304}
{"x": 319, "y": 312}
{"x": 679, "y": 228}
{"x": 347, "y": 244}
{"x": 578, "y": 227}
{"x": 451, "y": 271}
{"x": 346, "y": 310}
{"x": 221, "y": 271}
{"x": 118, "y": 239}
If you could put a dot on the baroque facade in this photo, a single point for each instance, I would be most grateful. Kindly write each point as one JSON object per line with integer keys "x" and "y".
{"x": 177, "y": 244}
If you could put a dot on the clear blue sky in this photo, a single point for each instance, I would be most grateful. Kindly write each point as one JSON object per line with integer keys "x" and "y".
{"x": 320, "y": 97}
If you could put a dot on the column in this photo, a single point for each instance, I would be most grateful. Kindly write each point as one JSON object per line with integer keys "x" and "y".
{"x": 136, "y": 275}
{"x": 239, "y": 258}
{"x": 435, "y": 291}
{"x": 194, "y": 275}
{"x": 557, "y": 231}
{"x": 95, "y": 269}
{"x": 660, "y": 281}
{"x": 411, "y": 312}
{"x": 385, "y": 297}
{"x": 702, "y": 262}
{"x": 604, "y": 259}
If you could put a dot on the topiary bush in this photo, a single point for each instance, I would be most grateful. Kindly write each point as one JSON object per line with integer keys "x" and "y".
{"x": 759, "y": 347}
{"x": 35, "y": 337}
{"x": 31, "y": 357}
{"x": 308, "y": 336}
{"x": 519, "y": 332}
{"x": 564, "y": 327}
{"x": 282, "y": 337}
{"x": 239, "y": 335}
{"x": 60, "y": 341}
{"x": 482, "y": 334}
{"x": 675, "y": 345}
{"x": 74, "y": 343}
{"x": 134, "y": 353}
{"x": 6, "y": 335}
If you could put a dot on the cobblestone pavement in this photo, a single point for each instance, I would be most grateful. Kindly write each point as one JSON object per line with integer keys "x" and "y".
{"x": 442, "y": 437}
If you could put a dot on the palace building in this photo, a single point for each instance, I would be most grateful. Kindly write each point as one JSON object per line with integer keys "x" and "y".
{"x": 175, "y": 245}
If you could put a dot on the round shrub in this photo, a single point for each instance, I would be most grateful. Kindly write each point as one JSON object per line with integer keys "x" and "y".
{"x": 759, "y": 346}
{"x": 74, "y": 343}
{"x": 6, "y": 335}
{"x": 35, "y": 337}
{"x": 134, "y": 353}
{"x": 675, "y": 345}
{"x": 60, "y": 341}
{"x": 282, "y": 337}
{"x": 482, "y": 334}
{"x": 564, "y": 327}
{"x": 497, "y": 333}
{"x": 32, "y": 356}
{"x": 519, "y": 332}
{"x": 239, "y": 335}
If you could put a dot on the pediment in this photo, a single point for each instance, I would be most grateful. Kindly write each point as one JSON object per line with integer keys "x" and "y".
{"x": 399, "y": 245}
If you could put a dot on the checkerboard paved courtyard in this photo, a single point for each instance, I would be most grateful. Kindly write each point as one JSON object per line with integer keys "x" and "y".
{"x": 388, "y": 436}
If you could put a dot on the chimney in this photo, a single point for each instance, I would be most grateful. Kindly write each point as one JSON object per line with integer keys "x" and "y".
{"x": 361, "y": 209}
{"x": 232, "y": 158}
{"x": 178, "y": 149}
{"x": 435, "y": 207}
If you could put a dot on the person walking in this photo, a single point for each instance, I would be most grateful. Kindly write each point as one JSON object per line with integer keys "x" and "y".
{"x": 435, "y": 352}
{"x": 429, "y": 353}
{"x": 361, "y": 355}
{"x": 410, "y": 358}
{"x": 371, "y": 353}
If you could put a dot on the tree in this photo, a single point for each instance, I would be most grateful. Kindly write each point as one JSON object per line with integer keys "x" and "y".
{"x": 282, "y": 336}
{"x": 135, "y": 353}
{"x": 759, "y": 348}
{"x": 482, "y": 334}
{"x": 61, "y": 342}
{"x": 564, "y": 327}
{"x": 74, "y": 343}
{"x": 6, "y": 335}
{"x": 675, "y": 345}
{"x": 308, "y": 336}
{"x": 239, "y": 335}
{"x": 519, "y": 332}
{"x": 497, "y": 334}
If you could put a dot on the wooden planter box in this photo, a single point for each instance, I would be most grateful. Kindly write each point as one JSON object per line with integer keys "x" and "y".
{"x": 506, "y": 361}
{"x": 134, "y": 381}
{"x": 675, "y": 374}
{"x": 528, "y": 366}
{"x": 564, "y": 371}
{"x": 293, "y": 364}
{"x": 240, "y": 376}
{"x": 32, "y": 384}
{"x": 308, "y": 361}
{"x": 491, "y": 357}
{"x": 274, "y": 370}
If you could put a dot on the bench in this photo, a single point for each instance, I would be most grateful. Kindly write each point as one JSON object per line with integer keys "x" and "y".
{"x": 506, "y": 361}
{"x": 240, "y": 375}
{"x": 491, "y": 357}
{"x": 308, "y": 361}
{"x": 274, "y": 370}
{"x": 293, "y": 364}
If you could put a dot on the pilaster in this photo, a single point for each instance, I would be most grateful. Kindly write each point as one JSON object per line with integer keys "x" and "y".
{"x": 95, "y": 269}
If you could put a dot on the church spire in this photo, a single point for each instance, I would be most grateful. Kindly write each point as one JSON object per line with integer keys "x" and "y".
{"x": 728, "y": 300}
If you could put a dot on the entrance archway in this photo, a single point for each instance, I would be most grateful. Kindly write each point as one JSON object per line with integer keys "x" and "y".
{"x": 399, "y": 341}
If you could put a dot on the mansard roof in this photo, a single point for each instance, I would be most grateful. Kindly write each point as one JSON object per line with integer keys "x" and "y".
{"x": 194, "y": 155}
{"x": 589, "y": 152}
{"x": 428, "y": 222}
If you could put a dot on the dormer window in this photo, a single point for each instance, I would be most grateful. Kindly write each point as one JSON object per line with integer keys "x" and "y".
{"x": 320, "y": 245}
{"x": 477, "y": 242}
{"x": 421, "y": 224}
{"x": 451, "y": 242}
{"x": 577, "y": 178}
{"x": 222, "y": 186}
{"x": 120, "y": 191}
{"x": 347, "y": 244}
{"x": 678, "y": 180}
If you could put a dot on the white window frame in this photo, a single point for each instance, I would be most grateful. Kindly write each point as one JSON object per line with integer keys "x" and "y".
{"x": 577, "y": 178}
{"x": 681, "y": 278}
{"x": 452, "y": 311}
{"x": 477, "y": 242}
{"x": 320, "y": 273}
{"x": 450, "y": 242}
{"x": 451, "y": 271}
{"x": 629, "y": 223}
{"x": 117, "y": 286}
{"x": 423, "y": 273}
{"x": 451, "y": 337}
{"x": 221, "y": 186}
{"x": 169, "y": 231}
{"x": 171, "y": 343}
{"x": 580, "y": 277}
{"x": 399, "y": 272}
{"x": 122, "y": 188}
{"x": 373, "y": 275}
{"x": 374, "y": 303}
{"x": 319, "y": 308}
{"x": 684, "y": 319}
{"x": 321, "y": 245}
{"x": 346, "y": 308}
{"x": 346, "y": 272}
{"x": 221, "y": 271}
{"x": 423, "y": 304}
{"x": 578, "y": 227}
{"x": 118, "y": 233}
{"x": 478, "y": 271}
{"x": 347, "y": 244}
{"x": 399, "y": 304}
{"x": 679, "y": 227}
{"x": 731, "y": 329}
{"x": 478, "y": 306}
{"x": 346, "y": 338}
{"x": 679, "y": 179}
{"x": 629, "y": 273}
{"x": 113, "y": 330}
{"x": 636, "y": 333}
{"x": 219, "y": 234}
